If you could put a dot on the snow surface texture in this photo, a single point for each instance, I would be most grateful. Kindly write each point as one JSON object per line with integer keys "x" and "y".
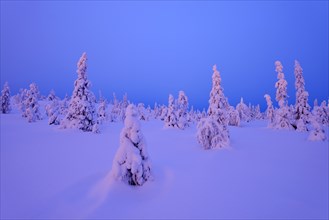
{"x": 131, "y": 162}
{"x": 48, "y": 172}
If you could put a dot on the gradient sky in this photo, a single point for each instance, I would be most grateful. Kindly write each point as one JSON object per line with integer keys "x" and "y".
{"x": 151, "y": 49}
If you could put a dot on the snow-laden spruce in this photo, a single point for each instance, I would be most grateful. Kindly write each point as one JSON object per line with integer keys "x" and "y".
{"x": 321, "y": 113}
{"x": 302, "y": 108}
{"x": 31, "y": 104}
{"x": 5, "y": 106}
{"x": 270, "y": 110}
{"x": 282, "y": 118}
{"x": 218, "y": 104}
{"x": 131, "y": 161}
{"x": 212, "y": 131}
{"x": 81, "y": 112}
{"x": 211, "y": 134}
{"x": 318, "y": 133}
{"x": 101, "y": 111}
{"x": 182, "y": 110}
{"x": 234, "y": 117}
{"x": 244, "y": 111}
{"x": 53, "y": 112}
{"x": 171, "y": 119}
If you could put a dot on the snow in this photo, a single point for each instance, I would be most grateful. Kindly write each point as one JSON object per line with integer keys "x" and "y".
{"x": 47, "y": 172}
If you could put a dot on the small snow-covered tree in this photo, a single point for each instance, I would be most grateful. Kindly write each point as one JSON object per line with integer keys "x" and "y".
{"x": 270, "y": 110}
{"x": 244, "y": 111}
{"x": 282, "y": 115}
{"x": 51, "y": 95}
{"x": 234, "y": 117}
{"x": 321, "y": 113}
{"x": 31, "y": 104}
{"x": 53, "y": 112}
{"x": 131, "y": 161}
{"x": 211, "y": 134}
{"x": 81, "y": 112}
{"x": 317, "y": 134}
{"x": 171, "y": 117}
{"x": 182, "y": 111}
{"x": 302, "y": 108}
{"x": 142, "y": 112}
{"x": 163, "y": 112}
{"x": 101, "y": 112}
{"x": 5, "y": 106}
{"x": 218, "y": 104}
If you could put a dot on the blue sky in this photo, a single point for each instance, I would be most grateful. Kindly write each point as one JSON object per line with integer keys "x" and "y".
{"x": 151, "y": 49}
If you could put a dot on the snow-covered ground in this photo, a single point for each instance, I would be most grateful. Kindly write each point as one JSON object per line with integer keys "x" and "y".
{"x": 51, "y": 173}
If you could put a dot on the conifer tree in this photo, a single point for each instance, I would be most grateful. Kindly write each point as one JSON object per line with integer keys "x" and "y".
{"x": 282, "y": 115}
{"x": 302, "y": 108}
{"x": 5, "y": 106}
{"x": 131, "y": 162}
{"x": 269, "y": 111}
{"x": 81, "y": 112}
{"x": 31, "y": 104}
{"x": 171, "y": 117}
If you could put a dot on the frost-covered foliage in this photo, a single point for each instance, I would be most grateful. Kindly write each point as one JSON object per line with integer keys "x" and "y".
{"x": 281, "y": 86}
{"x": 31, "y": 104}
{"x": 52, "y": 96}
{"x": 321, "y": 113}
{"x": 282, "y": 118}
{"x": 163, "y": 112}
{"x": 234, "y": 117}
{"x": 81, "y": 112}
{"x": 302, "y": 108}
{"x": 53, "y": 112}
{"x": 101, "y": 112}
{"x": 257, "y": 113}
{"x": 211, "y": 134}
{"x": 217, "y": 100}
{"x": 5, "y": 106}
{"x": 270, "y": 110}
{"x": 318, "y": 133}
{"x": 142, "y": 112}
{"x": 218, "y": 104}
{"x": 118, "y": 108}
{"x": 213, "y": 129}
{"x": 131, "y": 162}
{"x": 244, "y": 111}
{"x": 171, "y": 117}
{"x": 182, "y": 110}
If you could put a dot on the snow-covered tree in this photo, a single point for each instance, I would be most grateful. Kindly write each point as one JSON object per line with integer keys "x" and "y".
{"x": 52, "y": 95}
{"x": 217, "y": 100}
{"x": 244, "y": 111}
{"x": 234, "y": 117}
{"x": 270, "y": 110}
{"x": 101, "y": 112}
{"x": 257, "y": 113}
{"x": 302, "y": 108}
{"x": 131, "y": 162}
{"x": 211, "y": 134}
{"x": 171, "y": 117}
{"x": 142, "y": 112}
{"x": 5, "y": 106}
{"x": 321, "y": 113}
{"x": 182, "y": 111}
{"x": 53, "y": 112}
{"x": 81, "y": 112}
{"x": 31, "y": 104}
{"x": 317, "y": 134}
{"x": 163, "y": 112}
{"x": 218, "y": 104}
{"x": 282, "y": 118}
